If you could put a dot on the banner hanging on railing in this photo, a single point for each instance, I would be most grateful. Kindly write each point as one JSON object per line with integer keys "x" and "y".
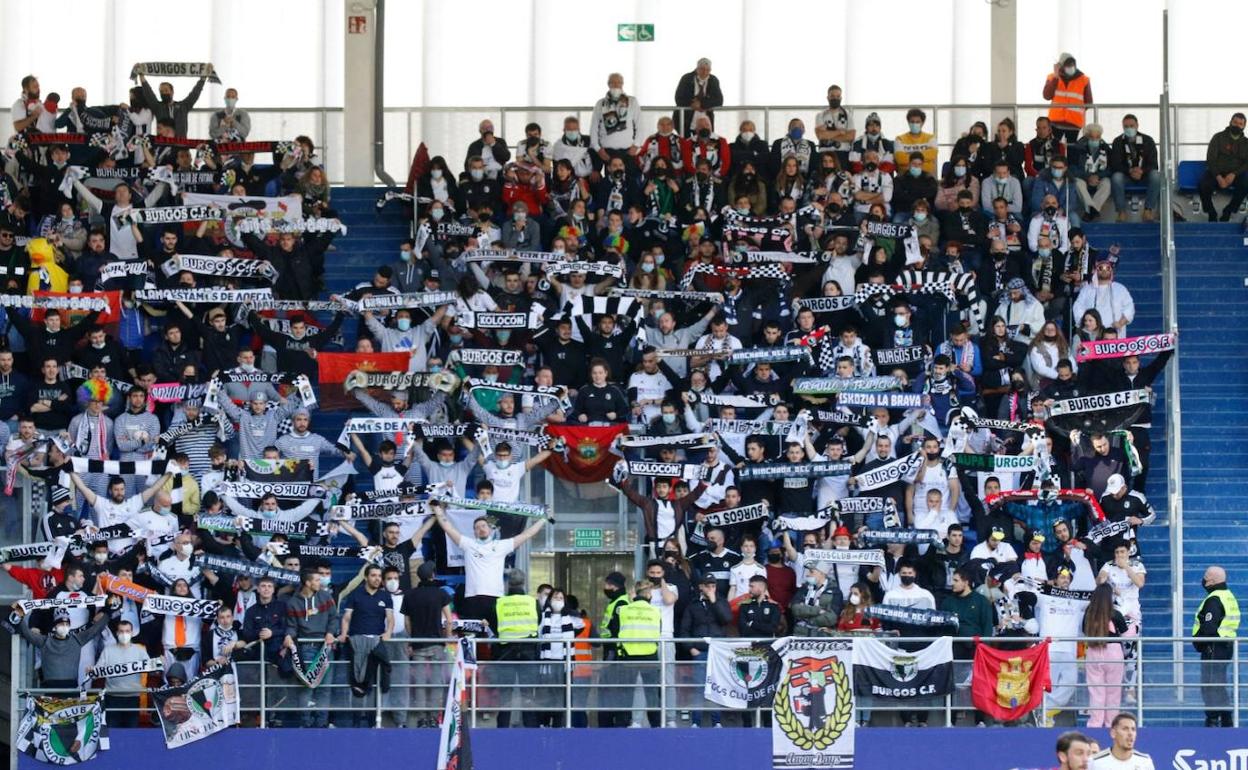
{"x": 813, "y": 724}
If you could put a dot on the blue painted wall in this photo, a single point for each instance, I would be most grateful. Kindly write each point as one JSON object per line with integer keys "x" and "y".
{"x": 1182, "y": 748}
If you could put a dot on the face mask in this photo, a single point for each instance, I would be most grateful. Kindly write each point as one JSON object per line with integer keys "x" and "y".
{"x": 795, "y": 133}
{"x": 436, "y": 173}
{"x": 100, "y": 557}
{"x": 247, "y": 367}
{"x": 1044, "y": 252}
{"x": 519, "y": 216}
{"x": 477, "y": 174}
{"x": 392, "y": 585}
{"x": 166, "y": 98}
{"x": 572, "y": 136}
{"x": 446, "y": 463}
{"x": 457, "y": 339}
{"x": 647, "y": 267}
{"x": 123, "y": 638}
{"x": 61, "y": 630}
{"x": 607, "y": 592}
{"x": 1094, "y": 144}
{"x": 616, "y": 93}
{"x": 916, "y": 128}
{"x": 1050, "y": 210}
{"x": 916, "y": 170}
{"x": 959, "y": 171}
{"x": 1130, "y": 132}
{"x": 1235, "y": 130}
{"x": 812, "y": 581}
{"x": 437, "y": 215}
{"x": 873, "y": 135}
{"x": 773, "y": 558}
{"x": 229, "y": 103}
{"x": 704, "y": 133}
{"x": 502, "y": 464}
{"x": 97, "y": 345}
{"x": 186, "y": 549}
{"x": 872, "y": 166}
{"x": 403, "y": 324}
{"x": 920, "y": 216}
{"x": 743, "y": 212}
{"x": 899, "y": 319}
{"x": 556, "y": 606}
{"x": 669, "y": 419}
{"x": 491, "y": 378}
{"x": 855, "y": 599}
{"x": 747, "y": 136}
{"x": 1058, "y": 173}
{"x": 907, "y": 580}
{"x": 1069, "y": 71}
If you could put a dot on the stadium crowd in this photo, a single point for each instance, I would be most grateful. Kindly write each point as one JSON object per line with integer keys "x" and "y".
{"x": 713, "y": 298}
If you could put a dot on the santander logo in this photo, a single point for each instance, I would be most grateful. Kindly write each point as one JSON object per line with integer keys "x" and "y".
{"x": 1236, "y": 759}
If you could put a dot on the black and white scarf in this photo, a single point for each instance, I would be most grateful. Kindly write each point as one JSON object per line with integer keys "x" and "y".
{"x": 528, "y": 510}
{"x": 312, "y": 672}
{"x": 693, "y": 440}
{"x": 223, "y": 267}
{"x": 252, "y": 569}
{"x": 263, "y": 226}
{"x": 686, "y": 471}
{"x": 809, "y": 470}
{"x": 548, "y": 391}
{"x": 887, "y": 400}
{"x": 739, "y": 515}
{"x": 74, "y": 303}
{"x": 745, "y": 427}
{"x": 506, "y": 255}
{"x": 121, "y": 269}
{"x": 203, "y": 295}
{"x": 770, "y": 355}
{"x": 75, "y": 600}
{"x": 501, "y": 320}
{"x": 26, "y": 552}
{"x": 487, "y": 436}
{"x": 911, "y": 616}
{"x": 175, "y": 69}
{"x": 743, "y": 402}
{"x": 900, "y": 536}
{"x": 403, "y": 490}
{"x": 128, "y": 668}
{"x": 388, "y": 301}
{"x": 303, "y": 529}
{"x": 1100, "y": 402}
{"x": 125, "y": 467}
{"x": 304, "y": 551}
{"x": 902, "y": 469}
{"x": 772, "y": 271}
{"x": 844, "y": 418}
{"x": 866, "y": 557}
{"x": 181, "y": 606}
{"x": 164, "y": 215}
{"x": 824, "y": 304}
{"x": 487, "y": 357}
{"x": 609, "y": 269}
{"x": 686, "y": 296}
{"x": 283, "y": 490}
{"x": 362, "y": 511}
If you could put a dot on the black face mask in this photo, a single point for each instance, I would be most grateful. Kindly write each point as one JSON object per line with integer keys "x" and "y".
{"x": 933, "y": 455}
{"x": 876, "y": 218}
{"x": 660, "y": 173}
{"x": 81, "y": 104}
{"x": 773, "y": 558}
{"x": 1050, "y": 210}
{"x": 1236, "y": 131}
{"x": 871, "y": 166}
{"x": 906, "y": 580}
{"x": 704, "y": 133}
{"x": 833, "y": 208}
{"x": 834, "y": 103}
{"x": 607, "y": 592}
{"x": 747, "y": 178}
{"x": 166, "y": 98}
{"x": 617, "y": 174}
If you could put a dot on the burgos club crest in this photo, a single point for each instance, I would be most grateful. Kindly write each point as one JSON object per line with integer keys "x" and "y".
{"x": 1014, "y": 683}
{"x": 814, "y": 704}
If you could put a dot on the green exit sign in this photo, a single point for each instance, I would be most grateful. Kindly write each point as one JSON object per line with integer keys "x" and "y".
{"x": 587, "y": 538}
{"x": 635, "y": 33}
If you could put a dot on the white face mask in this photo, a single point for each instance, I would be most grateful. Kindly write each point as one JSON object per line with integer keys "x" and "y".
{"x": 247, "y": 367}
{"x": 61, "y": 630}
{"x": 123, "y": 638}
{"x": 392, "y": 585}
{"x": 855, "y": 599}
{"x": 100, "y": 556}
{"x": 747, "y": 136}
{"x": 616, "y": 93}
{"x": 186, "y": 549}
{"x": 556, "y": 606}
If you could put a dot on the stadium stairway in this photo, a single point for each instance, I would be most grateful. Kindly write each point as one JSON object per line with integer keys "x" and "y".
{"x": 1214, "y": 383}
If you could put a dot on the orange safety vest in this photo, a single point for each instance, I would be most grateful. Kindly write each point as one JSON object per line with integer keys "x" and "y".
{"x": 583, "y": 651}
{"x": 1069, "y": 93}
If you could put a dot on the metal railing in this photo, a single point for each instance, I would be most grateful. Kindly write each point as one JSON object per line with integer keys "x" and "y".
{"x": 667, "y": 692}
{"x": 448, "y": 131}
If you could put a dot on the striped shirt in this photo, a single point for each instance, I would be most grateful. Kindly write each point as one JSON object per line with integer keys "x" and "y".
{"x": 308, "y": 446}
{"x": 126, "y": 428}
{"x": 560, "y": 627}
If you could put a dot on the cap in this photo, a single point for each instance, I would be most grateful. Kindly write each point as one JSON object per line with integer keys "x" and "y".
{"x": 60, "y": 615}
{"x": 426, "y": 572}
{"x": 707, "y": 580}
{"x": 1016, "y": 283}
{"x": 260, "y": 396}
{"x": 397, "y": 393}
{"x": 997, "y": 533}
{"x": 873, "y": 118}
{"x": 59, "y": 494}
{"x": 819, "y": 566}
{"x": 841, "y": 531}
{"x": 1114, "y": 484}
{"x": 300, "y": 412}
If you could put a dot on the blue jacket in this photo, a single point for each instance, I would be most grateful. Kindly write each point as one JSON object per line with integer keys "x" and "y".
{"x": 1067, "y": 197}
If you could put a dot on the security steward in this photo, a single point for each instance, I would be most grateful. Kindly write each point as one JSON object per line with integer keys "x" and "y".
{"x": 517, "y": 620}
{"x": 1216, "y": 617}
{"x": 640, "y": 620}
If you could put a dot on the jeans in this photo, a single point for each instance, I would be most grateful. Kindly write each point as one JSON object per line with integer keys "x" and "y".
{"x": 430, "y": 674}
{"x": 514, "y": 673}
{"x": 1120, "y": 182}
{"x": 307, "y": 696}
{"x": 1214, "y": 675}
{"x": 1238, "y": 190}
{"x": 1104, "y": 673}
{"x": 699, "y": 668}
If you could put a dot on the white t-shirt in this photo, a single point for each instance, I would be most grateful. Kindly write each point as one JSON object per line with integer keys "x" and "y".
{"x": 1005, "y": 552}
{"x": 1105, "y": 760}
{"x": 1126, "y": 593}
{"x": 506, "y": 481}
{"x": 939, "y": 520}
{"x": 483, "y": 565}
{"x": 914, "y": 596}
{"x": 649, "y": 387}
{"x": 739, "y": 576}
{"x": 667, "y": 615}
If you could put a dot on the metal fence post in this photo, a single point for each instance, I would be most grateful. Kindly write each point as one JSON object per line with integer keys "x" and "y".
{"x": 475, "y": 675}
{"x": 1235, "y": 682}
{"x": 662, "y": 684}
{"x": 567, "y": 686}
{"x": 1139, "y": 682}
{"x": 264, "y": 694}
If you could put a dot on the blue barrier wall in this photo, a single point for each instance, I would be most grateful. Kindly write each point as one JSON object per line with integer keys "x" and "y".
{"x": 1183, "y": 748}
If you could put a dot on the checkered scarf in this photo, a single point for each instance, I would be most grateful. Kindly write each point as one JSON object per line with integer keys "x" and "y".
{"x": 768, "y": 271}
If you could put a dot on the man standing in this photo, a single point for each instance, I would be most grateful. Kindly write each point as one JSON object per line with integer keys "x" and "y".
{"x": 311, "y": 613}
{"x": 369, "y": 613}
{"x": 1217, "y": 617}
{"x": 697, "y": 93}
{"x": 1068, "y": 91}
{"x": 166, "y": 108}
{"x": 427, "y": 613}
{"x": 1122, "y": 755}
{"x": 230, "y": 124}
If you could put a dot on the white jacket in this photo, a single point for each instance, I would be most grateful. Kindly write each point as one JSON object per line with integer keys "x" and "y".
{"x": 1028, "y": 312}
{"x": 1112, "y": 302}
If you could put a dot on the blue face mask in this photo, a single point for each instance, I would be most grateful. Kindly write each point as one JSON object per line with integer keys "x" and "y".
{"x": 1058, "y": 173}
{"x": 1044, "y": 252}
{"x": 795, "y": 133}
{"x": 503, "y": 336}
{"x": 669, "y": 418}
{"x": 435, "y": 368}
{"x": 1130, "y": 132}
{"x": 403, "y": 324}
{"x": 502, "y": 464}
{"x": 920, "y": 216}
{"x": 446, "y": 463}
{"x": 1094, "y": 144}
{"x": 457, "y": 339}
{"x": 647, "y": 267}
{"x": 916, "y": 171}
{"x": 658, "y": 258}
{"x": 916, "y": 128}
{"x": 405, "y": 255}
{"x": 959, "y": 171}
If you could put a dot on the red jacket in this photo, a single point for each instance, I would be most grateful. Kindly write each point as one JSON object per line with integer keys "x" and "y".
{"x": 715, "y": 150}
{"x": 39, "y": 581}
{"x": 534, "y": 198}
